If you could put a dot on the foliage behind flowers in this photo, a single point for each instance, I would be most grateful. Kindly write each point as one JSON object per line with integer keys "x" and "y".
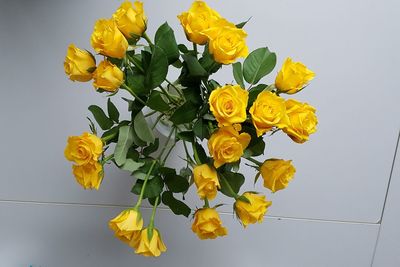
{"x": 233, "y": 118}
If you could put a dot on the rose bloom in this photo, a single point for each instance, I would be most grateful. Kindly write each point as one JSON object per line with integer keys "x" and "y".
{"x": 130, "y": 19}
{"x": 226, "y": 145}
{"x": 196, "y": 20}
{"x": 293, "y": 77}
{"x": 149, "y": 246}
{"x": 207, "y": 224}
{"x": 83, "y": 149}
{"x": 277, "y": 173}
{"x": 107, "y": 40}
{"x": 206, "y": 180}
{"x": 79, "y": 64}
{"x": 88, "y": 175}
{"x": 250, "y": 213}
{"x": 227, "y": 43}
{"x": 228, "y": 104}
{"x": 302, "y": 120}
{"x": 268, "y": 111}
{"x": 107, "y": 76}
{"x": 126, "y": 224}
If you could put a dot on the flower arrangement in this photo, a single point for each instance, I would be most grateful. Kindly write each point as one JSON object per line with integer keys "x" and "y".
{"x": 233, "y": 118}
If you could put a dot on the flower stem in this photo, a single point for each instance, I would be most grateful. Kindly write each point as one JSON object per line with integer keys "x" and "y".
{"x": 146, "y": 37}
{"x": 258, "y": 163}
{"x": 196, "y": 156}
{"x": 169, "y": 152}
{"x": 150, "y": 113}
{"x": 153, "y": 213}
{"x": 130, "y": 90}
{"x": 188, "y": 157}
{"x": 195, "y": 49}
{"x": 166, "y": 143}
{"x": 107, "y": 159}
{"x": 168, "y": 95}
{"x": 144, "y": 185}
{"x": 179, "y": 91}
{"x": 206, "y": 203}
{"x": 157, "y": 120}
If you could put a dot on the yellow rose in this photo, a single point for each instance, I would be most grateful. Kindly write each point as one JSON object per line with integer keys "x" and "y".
{"x": 302, "y": 121}
{"x": 252, "y": 212}
{"x": 227, "y": 145}
{"x": 206, "y": 180}
{"x": 83, "y": 149}
{"x": 228, "y": 104}
{"x": 126, "y": 224}
{"x": 149, "y": 246}
{"x": 107, "y": 76}
{"x": 89, "y": 175}
{"x": 131, "y": 19}
{"x": 293, "y": 77}
{"x": 207, "y": 224}
{"x": 79, "y": 64}
{"x": 267, "y": 111}
{"x": 277, "y": 173}
{"x": 108, "y": 40}
{"x": 200, "y": 17}
{"x": 227, "y": 43}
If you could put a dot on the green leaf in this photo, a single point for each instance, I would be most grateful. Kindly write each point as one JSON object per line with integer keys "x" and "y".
{"x": 130, "y": 165}
{"x": 135, "y": 81}
{"x": 253, "y": 93}
{"x": 186, "y": 136}
{"x": 231, "y": 180}
{"x": 194, "y": 66}
{"x": 201, "y": 153}
{"x": 192, "y": 94}
{"x": 177, "y": 206}
{"x": 112, "y": 110}
{"x": 151, "y": 148}
{"x": 165, "y": 39}
{"x": 242, "y": 24}
{"x": 125, "y": 140}
{"x": 104, "y": 122}
{"x": 153, "y": 188}
{"x": 176, "y": 183}
{"x": 258, "y": 63}
{"x": 208, "y": 62}
{"x": 183, "y": 48}
{"x": 200, "y": 129}
{"x": 238, "y": 73}
{"x": 184, "y": 114}
{"x": 156, "y": 102}
{"x": 255, "y": 148}
{"x": 157, "y": 70}
{"x": 142, "y": 129}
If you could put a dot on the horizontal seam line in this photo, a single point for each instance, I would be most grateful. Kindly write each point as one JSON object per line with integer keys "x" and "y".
{"x": 166, "y": 209}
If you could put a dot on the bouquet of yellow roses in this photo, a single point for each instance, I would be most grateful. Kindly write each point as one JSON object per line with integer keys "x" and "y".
{"x": 233, "y": 118}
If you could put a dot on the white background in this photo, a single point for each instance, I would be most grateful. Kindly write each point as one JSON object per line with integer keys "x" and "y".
{"x": 331, "y": 214}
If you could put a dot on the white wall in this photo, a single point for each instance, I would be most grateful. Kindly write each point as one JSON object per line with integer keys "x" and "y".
{"x": 329, "y": 216}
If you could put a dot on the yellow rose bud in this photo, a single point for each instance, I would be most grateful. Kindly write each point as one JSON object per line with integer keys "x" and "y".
{"x": 107, "y": 76}
{"x": 108, "y": 40}
{"x": 267, "y": 111}
{"x": 228, "y": 104}
{"x": 206, "y": 180}
{"x": 207, "y": 224}
{"x": 149, "y": 246}
{"x": 227, "y": 145}
{"x": 200, "y": 17}
{"x": 277, "y": 173}
{"x": 126, "y": 224}
{"x": 130, "y": 19}
{"x": 250, "y": 213}
{"x": 83, "y": 149}
{"x": 293, "y": 77}
{"x": 227, "y": 43}
{"x": 79, "y": 64}
{"x": 302, "y": 121}
{"x": 89, "y": 175}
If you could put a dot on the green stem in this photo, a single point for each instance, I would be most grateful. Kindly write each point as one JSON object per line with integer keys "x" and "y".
{"x": 136, "y": 63}
{"x": 228, "y": 186}
{"x": 130, "y": 90}
{"x": 107, "y": 158}
{"x": 196, "y": 156}
{"x": 146, "y": 37}
{"x": 195, "y": 49}
{"x": 169, "y": 152}
{"x": 157, "y": 120}
{"x": 166, "y": 143}
{"x": 153, "y": 213}
{"x": 144, "y": 185}
{"x": 188, "y": 157}
{"x": 150, "y": 113}
{"x": 108, "y": 138}
{"x": 258, "y": 163}
{"x": 206, "y": 203}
